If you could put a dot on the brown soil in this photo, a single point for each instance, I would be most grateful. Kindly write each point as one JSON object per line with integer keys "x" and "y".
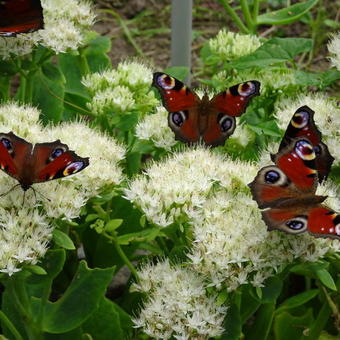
{"x": 148, "y": 23}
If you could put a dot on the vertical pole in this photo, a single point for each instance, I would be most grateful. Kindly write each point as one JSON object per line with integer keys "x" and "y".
{"x": 181, "y": 34}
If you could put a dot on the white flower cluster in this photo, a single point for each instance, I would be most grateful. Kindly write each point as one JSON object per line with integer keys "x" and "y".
{"x": 229, "y": 45}
{"x": 25, "y": 227}
{"x": 155, "y": 128}
{"x": 168, "y": 191}
{"x": 334, "y": 49}
{"x": 124, "y": 89}
{"x": 327, "y": 117}
{"x": 231, "y": 245}
{"x": 177, "y": 305}
{"x": 64, "y": 25}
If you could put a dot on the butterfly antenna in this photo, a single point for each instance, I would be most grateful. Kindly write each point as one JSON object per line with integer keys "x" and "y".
{"x": 7, "y": 192}
{"x": 43, "y": 196}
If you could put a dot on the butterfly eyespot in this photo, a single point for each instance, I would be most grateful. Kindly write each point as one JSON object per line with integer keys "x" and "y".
{"x": 298, "y": 224}
{"x": 178, "y": 118}
{"x": 56, "y": 153}
{"x": 317, "y": 149}
{"x": 73, "y": 168}
{"x": 246, "y": 89}
{"x": 7, "y": 144}
{"x": 271, "y": 177}
{"x": 300, "y": 119}
{"x": 226, "y": 123}
{"x": 166, "y": 82}
{"x": 305, "y": 150}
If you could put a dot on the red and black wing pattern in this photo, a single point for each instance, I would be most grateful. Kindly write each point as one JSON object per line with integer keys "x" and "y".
{"x": 182, "y": 105}
{"x": 302, "y": 124}
{"x": 287, "y": 190}
{"x": 223, "y": 109}
{"x": 55, "y": 160}
{"x": 20, "y": 16}
{"x": 13, "y": 154}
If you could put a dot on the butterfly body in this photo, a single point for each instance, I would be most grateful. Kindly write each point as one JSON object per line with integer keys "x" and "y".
{"x": 194, "y": 119}
{"x": 20, "y": 16}
{"x": 287, "y": 190}
{"x": 42, "y": 162}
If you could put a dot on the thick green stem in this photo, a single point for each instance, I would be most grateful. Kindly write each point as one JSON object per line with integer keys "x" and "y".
{"x": 29, "y": 88}
{"x": 84, "y": 65}
{"x": 5, "y": 87}
{"x": 234, "y": 16}
{"x": 256, "y": 7}
{"x": 126, "y": 260}
{"x": 247, "y": 16}
{"x": 122, "y": 255}
{"x": 7, "y": 323}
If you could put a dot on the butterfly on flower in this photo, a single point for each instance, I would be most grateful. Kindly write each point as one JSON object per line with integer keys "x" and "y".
{"x": 192, "y": 118}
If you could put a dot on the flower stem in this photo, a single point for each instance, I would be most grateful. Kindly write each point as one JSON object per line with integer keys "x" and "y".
{"x": 247, "y": 16}
{"x": 234, "y": 16}
{"x": 123, "y": 256}
{"x": 8, "y": 323}
{"x": 256, "y": 7}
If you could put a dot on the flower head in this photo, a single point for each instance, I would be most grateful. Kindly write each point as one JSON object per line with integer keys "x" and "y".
{"x": 334, "y": 49}
{"x": 177, "y": 304}
{"x": 73, "y": 16}
{"x": 229, "y": 45}
{"x": 155, "y": 128}
{"x": 27, "y": 224}
{"x": 125, "y": 89}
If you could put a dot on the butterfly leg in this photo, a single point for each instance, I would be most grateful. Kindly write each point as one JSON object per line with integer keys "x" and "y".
{"x": 7, "y": 192}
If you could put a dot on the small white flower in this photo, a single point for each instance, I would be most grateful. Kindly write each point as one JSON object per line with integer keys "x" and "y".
{"x": 230, "y": 45}
{"x": 334, "y": 49}
{"x": 177, "y": 304}
{"x": 155, "y": 128}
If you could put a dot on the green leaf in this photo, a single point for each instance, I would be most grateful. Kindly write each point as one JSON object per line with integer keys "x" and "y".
{"x": 96, "y": 54}
{"x": 48, "y": 93}
{"x": 109, "y": 321}
{"x": 62, "y": 240}
{"x": 321, "y": 80}
{"x": 326, "y": 279}
{"x": 249, "y": 304}
{"x": 112, "y": 225}
{"x": 70, "y": 66}
{"x": 141, "y": 236}
{"x": 286, "y": 15}
{"x": 263, "y": 322}
{"x": 222, "y": 297}
{"x": 297, "y": 300}
{"x": 179, "y": 72}
{"x": 35, "y": 269}
{"x": 232, "y": 324}
{"x": 274, "y": 51}
{"x": 309, "y": 269}
{"x": 79, "y": 301}
{"x": 289, "y": 327}
{"x": 272, "y": 289}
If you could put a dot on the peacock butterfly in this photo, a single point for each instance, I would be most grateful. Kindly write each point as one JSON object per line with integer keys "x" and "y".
{"x": 287, "y": 191}
{"x": 192, "y": 118}
{"x": 43, "y": 162}
{"x": 302, "y": 125}
{"x": 20, "y": 16}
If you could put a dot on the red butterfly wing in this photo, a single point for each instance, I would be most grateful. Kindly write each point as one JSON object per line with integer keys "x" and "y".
{"x": 182, "y": 105}
{"x": 297, "y": 161}
{"x": 316, "y": 219}
{"x": 302, "y": 124}
{"x": 324, "y": 222}
{"x": 234, "y": 101}
{"x": 219, "y": 121}
{"x": 20, "y": 16}
{"x": 54, "y": 160}
{"x": 14, "y": 152}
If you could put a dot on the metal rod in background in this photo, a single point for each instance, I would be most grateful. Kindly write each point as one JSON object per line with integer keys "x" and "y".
{"x": 181, "y": 34}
